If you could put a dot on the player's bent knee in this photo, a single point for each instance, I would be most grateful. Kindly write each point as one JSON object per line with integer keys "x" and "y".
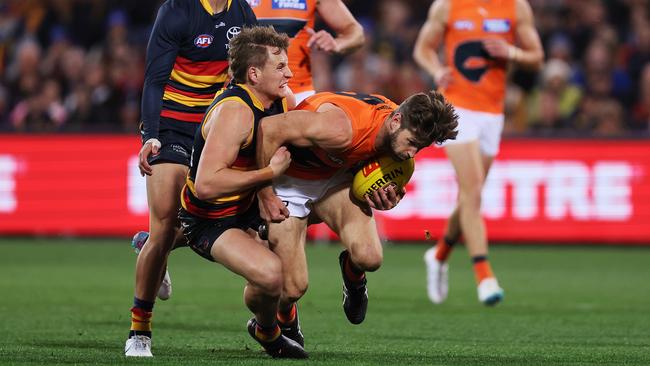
{"x": 269, "y": 278}
{"x": 368, "y": 258}
{"x": 294, "y": 290}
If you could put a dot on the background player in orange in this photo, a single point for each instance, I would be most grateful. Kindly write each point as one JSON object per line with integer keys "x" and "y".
{"x": 479, "y": 38}
{"x": 296, "y": 18}
{"x": 327, "y": 135}
{"x": 187, "y": 63}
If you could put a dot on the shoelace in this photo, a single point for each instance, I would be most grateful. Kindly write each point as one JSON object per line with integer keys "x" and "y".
{"x": 141, "y": 343}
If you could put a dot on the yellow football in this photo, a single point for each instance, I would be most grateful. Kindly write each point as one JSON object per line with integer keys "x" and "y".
{"x": 381, "y": 172}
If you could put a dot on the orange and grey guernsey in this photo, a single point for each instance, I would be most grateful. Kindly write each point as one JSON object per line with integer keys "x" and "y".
{"x": 291, "y": 17}
{"x": 238, "y": 202}
{"x": 187, "y": 59}
{"x": 366, "y": 112}
{"x": 478, "y": 80}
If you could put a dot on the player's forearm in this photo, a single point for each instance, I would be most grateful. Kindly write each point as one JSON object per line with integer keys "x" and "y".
{"x": 151, "y": 106}
{"x": 351, "y": 39}
{"x": 427, "y": 58}
{"x": 227, "y": 181}
{"x": 528, "y": 59}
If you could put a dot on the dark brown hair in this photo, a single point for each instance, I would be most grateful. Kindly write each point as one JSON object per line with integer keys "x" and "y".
{"x": 248, "y": 49}
{"x": 430, "y": 117}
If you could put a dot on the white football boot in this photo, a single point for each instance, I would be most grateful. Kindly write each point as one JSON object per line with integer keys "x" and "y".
{"x": 165, "y": 289}
{"x": 138, "y": 346}
{"x": 489, "y": 292}
{"x": 437, "y": 277}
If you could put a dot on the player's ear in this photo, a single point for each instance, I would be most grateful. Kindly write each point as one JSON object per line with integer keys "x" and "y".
{"x": 395, "y": 122}
{"x": 254, "y": 74}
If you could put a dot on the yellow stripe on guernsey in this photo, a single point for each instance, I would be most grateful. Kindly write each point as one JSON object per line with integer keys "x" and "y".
{"x": 209, "y": 111}
{"x": 238, "y": 197}
{"x": 258, "y": 104}
{"x": 198, "y": 81}
{"x": 208, "y": 7}
{"x": 185, "y": 100}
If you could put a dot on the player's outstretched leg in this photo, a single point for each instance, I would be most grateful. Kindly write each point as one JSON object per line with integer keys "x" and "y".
{"x": 274, "y": 343}
{"x": 355, "y": 292}
{"x": 290, "y": 325}
{"x": 165, "y": 289}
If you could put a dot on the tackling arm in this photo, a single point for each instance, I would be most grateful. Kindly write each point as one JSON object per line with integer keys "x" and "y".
{"x": 227, "y": 128}
{"x": 329, "y": 128}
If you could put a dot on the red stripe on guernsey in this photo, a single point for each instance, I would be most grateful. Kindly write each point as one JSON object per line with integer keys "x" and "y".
{"x": 182, "y": 116}
{"x": 169, "y": 88}
{"x": 244, "y": 161}
{"x": 238, "y": 208}
{"x": 200, "y": 67}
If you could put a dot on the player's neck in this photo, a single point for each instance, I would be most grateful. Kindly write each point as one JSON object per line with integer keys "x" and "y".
{"x": 218, "y": 5}
{"x": 382, "y": 135}
{"x": 264, "y": 98}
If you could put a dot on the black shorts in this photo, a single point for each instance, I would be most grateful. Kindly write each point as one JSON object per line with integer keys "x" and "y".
{"x": 176, "y": 139}
{"x": 201, "y": 233}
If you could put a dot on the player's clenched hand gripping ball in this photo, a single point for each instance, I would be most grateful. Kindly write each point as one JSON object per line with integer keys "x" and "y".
{"x": 381, "y": 172}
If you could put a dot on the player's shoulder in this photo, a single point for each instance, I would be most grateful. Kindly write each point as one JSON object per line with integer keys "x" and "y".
{"x": 178, "y": 10}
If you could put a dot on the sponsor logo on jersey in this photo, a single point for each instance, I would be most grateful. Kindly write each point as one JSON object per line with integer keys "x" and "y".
{"x": 463, "y": 24}
{"x": 203, "y": 40}
{"x": 496, "y": 25}
{"x": 221, "y": 24}
{"x": 253, "y": 3}
{"x": 232, "y": 32}
{"x": 290, "y": 4}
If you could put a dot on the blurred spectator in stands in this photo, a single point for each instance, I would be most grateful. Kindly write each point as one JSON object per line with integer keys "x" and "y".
{"x": 394, "y": 35}
{"x": 641, "y": 112}
{"x": 23, "y": 75}
{"x": 555, "y": 102}
{"x": 609, "y": 121}
{"x": 42, "y": 112}
{"x": 600, "y": 77}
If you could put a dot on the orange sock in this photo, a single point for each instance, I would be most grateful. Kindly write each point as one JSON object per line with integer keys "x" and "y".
{"x": 443, "y": 249}
{"x": 287, "y": 317}
{"x": 482, "y": 268}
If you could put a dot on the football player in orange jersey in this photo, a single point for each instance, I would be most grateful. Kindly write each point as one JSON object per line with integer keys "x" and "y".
{"x": 479, "y": 38}
{"x": 328, "y": 134}
{"x": 296, "y": 19}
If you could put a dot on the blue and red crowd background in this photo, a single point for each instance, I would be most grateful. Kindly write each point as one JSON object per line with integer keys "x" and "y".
{"x": 573, "y": 167}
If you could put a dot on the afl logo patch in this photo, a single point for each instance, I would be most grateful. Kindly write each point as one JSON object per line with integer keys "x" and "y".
{"x": 203, "y": 41}
{"x": 232, "y": 32}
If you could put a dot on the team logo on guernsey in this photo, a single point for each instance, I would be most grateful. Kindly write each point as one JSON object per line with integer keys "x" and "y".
{"x": 203, "y": 40}
{"x": 496, "y": 25}
{"x": 463, "y": 24}
{"x": 290, "y": 4}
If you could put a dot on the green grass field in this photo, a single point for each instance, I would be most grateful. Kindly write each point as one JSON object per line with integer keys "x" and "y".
{"x": 67, "y": 302}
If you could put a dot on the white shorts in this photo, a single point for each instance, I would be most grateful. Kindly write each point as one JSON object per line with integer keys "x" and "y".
{"x": 304, "y": 95}
{"x": 299, "y": 195}
{"x": 482, "y": 126}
